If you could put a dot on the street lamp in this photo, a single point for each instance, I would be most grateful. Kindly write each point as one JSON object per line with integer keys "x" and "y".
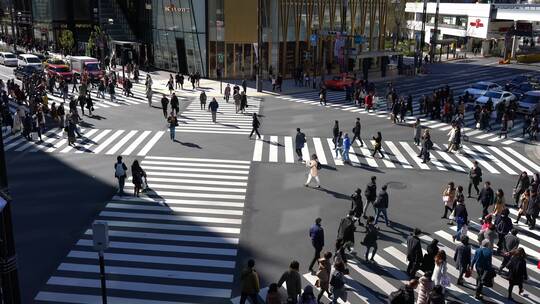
{"x": 258, "y": 77}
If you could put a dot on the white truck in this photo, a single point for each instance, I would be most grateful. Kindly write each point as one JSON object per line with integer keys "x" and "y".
{"x": 79, "y": 64}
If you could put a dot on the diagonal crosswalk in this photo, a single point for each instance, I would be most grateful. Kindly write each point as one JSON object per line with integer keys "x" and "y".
{"x": 177, "y": 242}
{"x": 398, "y": 154}
{"x": 92, "y": 141}
{"x": 195, "y": 120}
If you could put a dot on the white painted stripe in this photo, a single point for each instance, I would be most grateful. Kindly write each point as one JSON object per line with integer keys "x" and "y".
{"x": 194, "y": 175}
{"x": 495, "y": 160}
{"x": 150, "y": 143}
{"x": 43, "y": 145}
{"x": 311, "y": 280}
{"x": 141, "y": 287}
{"x": 202, "y": 160}
{"x": 474, "y": 132}
{"x": 170, "y": 202}
{"x": 169, "y": 237}
{"x": 174, "y": 209}
{"x": 448, "y": 159}
{"x": 374, "y": 278}
{"x": 273, "y": 151}
{"x": 135, "y": 143}
{"x": 352, "y": 155}
{"x": 195, "y": 194}
{"x": 289, "y": 151}
{"x": 480, "y": 160}
{"x": 170, "y": 217}
{"x": 337, "y": 161}
{"x": 163, "y": 248}
{"x": 193, "y": 228}
{"x": 257, "y": 150}
{"x": 14, "y": 143}
{"x": 319, "y": 150}
{"x": 305, "y": 152}
{"x": 387, "y": 160}
{"x": 191, "y": 164}
{"x": 402, "y": 160}
{"x": 87, "y": 136}
{"x": 107, "y": 142}
{"x": 173, "y": 169}
{"x": 58, "y": 145}
{"x": 147, "y": 272}
{"x": 369, "y": 159}
{"x": 523, "y": 159}
{"x": 435, "y": 126}
{"x": 462, "y": 158}
{"x": 122, "y": 142}
{"x": 57, "y": 297}
{"x": 412, "y": 155}
{"x": 96, "y": 139}
{"x": 522, "y": 222}
{"x": 193, "y": 181}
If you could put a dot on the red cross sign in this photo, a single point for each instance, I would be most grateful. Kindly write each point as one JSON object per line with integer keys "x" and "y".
{"x": 477, "y": 23}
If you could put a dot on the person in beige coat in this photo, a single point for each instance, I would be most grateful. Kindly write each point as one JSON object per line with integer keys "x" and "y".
{"x": 313, "y": 170}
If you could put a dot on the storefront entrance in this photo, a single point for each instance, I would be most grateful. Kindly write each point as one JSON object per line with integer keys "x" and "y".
{"x": 182, "y": 59}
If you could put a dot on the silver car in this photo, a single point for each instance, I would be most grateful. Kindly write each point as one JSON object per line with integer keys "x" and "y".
{"x": 8, "y": 59}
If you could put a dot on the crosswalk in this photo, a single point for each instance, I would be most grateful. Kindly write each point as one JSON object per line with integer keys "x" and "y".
{"x": 177, "y": 243}
{"x": 195, "y": 120}
{"x": 92, "y": 141}
{"x": 373, "y": 282}
{"x": 398, "y": 154}
{"x": 457, "y": 82}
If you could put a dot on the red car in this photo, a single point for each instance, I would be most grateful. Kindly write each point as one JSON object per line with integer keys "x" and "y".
{"x": 59, "y": 70}
{"x": 340, "y": 82}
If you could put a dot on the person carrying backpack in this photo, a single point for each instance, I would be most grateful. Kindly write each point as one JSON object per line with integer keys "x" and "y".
{"x": 337, "y": 283}
{"x": 120, "y": 170}
{"x": 314, "y": 166}
{"x": 405, "y": 294}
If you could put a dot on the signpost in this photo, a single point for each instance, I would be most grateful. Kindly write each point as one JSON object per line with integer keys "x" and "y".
{"x": 100, "y": 234}
{"x": 219, "y": 71}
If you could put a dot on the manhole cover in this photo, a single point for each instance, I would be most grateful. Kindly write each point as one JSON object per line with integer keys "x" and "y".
{"x": 396, "y": 185}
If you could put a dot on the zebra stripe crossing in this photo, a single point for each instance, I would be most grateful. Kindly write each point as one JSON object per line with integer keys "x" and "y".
{"x": 93, "y": 141}
{"x": 161, "y": 247}
{"x": 399, "y": 154}
{"x": 195, "y": 120}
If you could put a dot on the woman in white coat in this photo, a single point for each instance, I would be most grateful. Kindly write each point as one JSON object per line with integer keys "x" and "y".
{"x": 440, "y": 277}
{"x": 451, "y": 135}
{"x": 17, "y": 123}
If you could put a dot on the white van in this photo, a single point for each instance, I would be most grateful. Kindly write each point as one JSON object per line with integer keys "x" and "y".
{"x": 8, "y": 59}
{"x": 29, "y": 59}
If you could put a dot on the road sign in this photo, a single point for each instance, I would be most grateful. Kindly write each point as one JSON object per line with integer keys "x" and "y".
{"x": 220, "y": 57}
{"x": 358, "y": 39}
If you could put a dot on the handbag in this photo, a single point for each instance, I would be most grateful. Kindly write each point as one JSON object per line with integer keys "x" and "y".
{"x": 452, "y": 215}
{"x": 445, "y": 281}
{"x": 478, "y": 125}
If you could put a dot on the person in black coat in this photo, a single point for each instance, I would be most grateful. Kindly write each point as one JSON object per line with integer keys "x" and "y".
{"x": 517, "y": 271}
{"x": 370, "y": 193}
{"x": 486, "y": 198}
{"x": 255, "y": 124}
{"x": 522, "y": 185}
{"x": 414, "y": 253}
{"x": 357, "y": 205}
{"x": 533, "y": 209}
{"x": 428, "y": 262}
{"x": 335, "y": 133}
{"x": 503, "y": 225}
{"x": 381, "y": 205}
{"x": 475, "y": 177}
{"x": 462, "y": 257}
{"x": 346, "y": 230}
{"x": 370, "y": 239}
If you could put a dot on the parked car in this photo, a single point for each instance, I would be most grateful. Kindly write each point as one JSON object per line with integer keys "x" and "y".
{"x": 496, "y": 97}
{"x": 8, "y": 59}
{"x": 59, "y": 70}
{"x": 524, "y": 78}
{"x": 54, "y": 60}
{"x": 523, "y": 88}
{"x": 41, "y": 57}
{"x": 340, "y": 82}
{"x": 480, "y": 88}
{"x": 21, "y": 72}
{"x": 530, "y": 103}
{"x": 29, "y": 60}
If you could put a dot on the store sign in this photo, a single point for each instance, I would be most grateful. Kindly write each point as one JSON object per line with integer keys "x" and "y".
{"x": 477, "y": 27}
{"x": 174, "y": 9}
{"x": 477, "y": 23}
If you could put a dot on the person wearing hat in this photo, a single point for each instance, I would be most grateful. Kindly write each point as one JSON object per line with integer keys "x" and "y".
{"x": 482, "y": 263}
{"x": 414, "y": 253}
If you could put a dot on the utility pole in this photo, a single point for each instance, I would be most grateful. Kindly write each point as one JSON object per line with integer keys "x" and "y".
{"x": 11, "y": 12}
{"x": 10, "y": 291}
{"x": 259, "y": 48}
{"x": 423, "y": 35}
{"x": 434, "y": 37}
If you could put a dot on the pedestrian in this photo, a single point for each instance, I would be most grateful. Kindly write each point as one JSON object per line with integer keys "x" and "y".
{"x": 410, "y": 104}
{"x": 227, "y": 92}
{"x": 177, "y": 79}
{"x": 314, "y": 167}
{"x": 517, "y": 271}
{"x": 120, "y": 171}
{"x": 346, "y": 231}
{"x": 356, "y": 131}
{"x": 370, "y": 239}
{"x": 322, "y": 96}
{"x": 448, "y": 197}
{"x": 371, "y": 195}
{"x": 337, "y": 283}
{"x": 475, "y": 177}
{"x": 244, "y": 85}
{"x": 323, "y": 275}
{"x": 482, "y": 262}
{"x": 511, "y": 243}
{"x": 428, "y": 261}
{"x": 164, "y": 105}
{"x": 237, "y": 100}
{"x": 299, "y": 142}
{"x": 213, "y": 107}
{"x": 436, "y": 296}
{"x": 71, "y": 131}
{"x": 316, "y": 234}
{"x": 500, "y": 203}
{"x": 202, "y": 99}
{"x": 338, "y": 145}
{"x": 417, "y": 131}
{"x": 533, "y": 209}
{"x": 523, "y": 205}
{"x": 522, "y": 184}
{"x": 346, "y": 149}
{"x": 170, "y": 85}
{"x": 381, "y": 205}
{"x": 414, "y": 253}
{"x": 377, "y": 145}
{"x": 335, "y": 133}
{"x": 307, "y": 296}
{"x": 427, "y": 144}
{"x": 461, "y": 216}
{"x": 175, "y": 104}
{"x": 440, "y": 275}
{"x": 425, "y": 285}
{"x": 249, "y": 283}
{"x": 243, "y": 102}
{"x": 404, "y": 294}
{"x": 181, "y": 81}
{"x": 486, "y": 198}
{"x": 149, "y": 95}
{"x": 292, "y": 280}
{"x": 273, "y": 296}
{"x": 111, "y": 90}
{"x": 172, "y": 122}
{"x": 137, "y": 174}
{"x": 462, "y": 258}
{"x": 90, "y": 105}
{"x": 255, "y": 124}
{"x": 357, "y": 205}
